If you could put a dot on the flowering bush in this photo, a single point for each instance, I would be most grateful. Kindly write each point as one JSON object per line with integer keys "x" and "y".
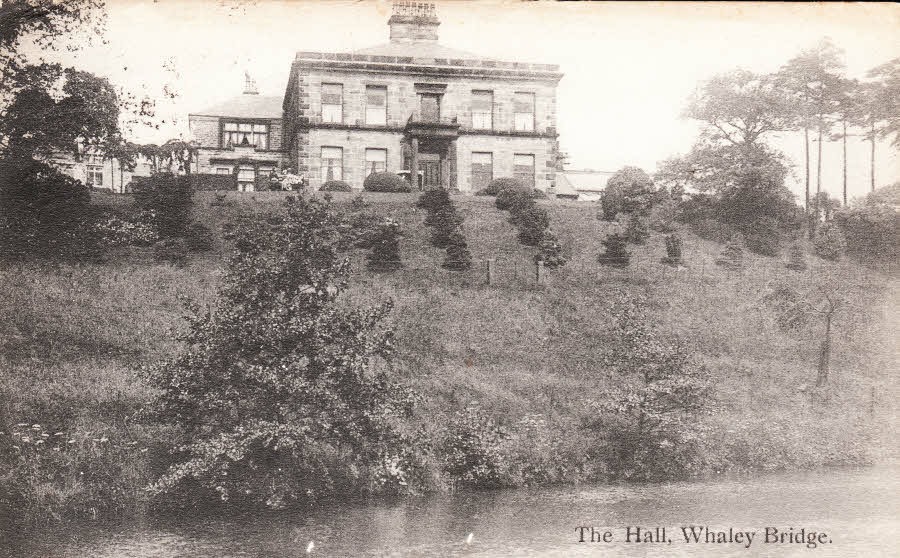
{"x": 117, "y": 231}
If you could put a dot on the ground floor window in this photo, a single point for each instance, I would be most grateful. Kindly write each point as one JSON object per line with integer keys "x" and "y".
{"x": 223, "y": 170}
{"x": 523, "y": 168}
{"x": 95, "y": 176}
{"x": 246, "y": 179}
{"x": 376, "y": 161}
{"x": 482, "y": 170}
{"x": 332, "y": 164}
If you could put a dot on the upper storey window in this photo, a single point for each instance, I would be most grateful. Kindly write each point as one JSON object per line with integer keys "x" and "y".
{"x": 430, "y": 107}
{"x": 245, "y": 134}
{"x": 332, "y": 102}
{"x": 376, "y": 105}
{"x": 523, "y": 107}
{"x": 482, "y": 110}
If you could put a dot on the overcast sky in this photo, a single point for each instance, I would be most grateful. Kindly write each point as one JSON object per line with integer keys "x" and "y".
{"x": 629, "y": 68}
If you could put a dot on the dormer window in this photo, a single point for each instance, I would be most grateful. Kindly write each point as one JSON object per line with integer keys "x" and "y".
{"x": 245, "y": 134}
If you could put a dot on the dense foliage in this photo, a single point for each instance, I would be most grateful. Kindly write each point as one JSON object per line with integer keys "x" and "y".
{"x": 284, "y": 393}
{"x": 385, "y": 245}
{"x": 45, "y": 214}
{"x": 615, "y": 251}
{"x": 385, "y": 182}
{"x": 167, "y": 198}
{"x": 629, "y": 190}
{"x": 336, "y": 186}
{"x": 651, "y": 424}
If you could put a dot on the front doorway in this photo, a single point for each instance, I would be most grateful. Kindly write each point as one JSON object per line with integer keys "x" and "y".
{"x": 430, "y": 166}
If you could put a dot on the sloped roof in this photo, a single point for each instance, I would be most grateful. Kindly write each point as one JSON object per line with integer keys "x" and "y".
{"x": 423, "y": 50}
{"x": 246, "y": 106}
{"x": 574, "y": 181}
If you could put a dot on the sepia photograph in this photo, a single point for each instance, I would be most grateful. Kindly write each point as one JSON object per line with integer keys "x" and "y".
{"x": 482, "y": 278}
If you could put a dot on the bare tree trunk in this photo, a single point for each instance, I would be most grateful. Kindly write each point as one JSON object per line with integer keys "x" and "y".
{"x": 872, "y": 158}
{"x": 819, "y": 164}
{"x": 809, "y": 226}
{"x": 844, "y": 141}
{"x": 825, "y": 355}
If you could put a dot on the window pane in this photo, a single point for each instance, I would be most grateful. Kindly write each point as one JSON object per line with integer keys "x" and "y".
{"x": 523, "y": 168}
{"x": 379, "y": 155}
{"x": 332, "y": 113}
{"x": 482, "y": 170}
{"x": 332, "y": 163}
{"x": 230, "y": 126}
{"x": 245, "y": 127}
{"x": 246, "y": 174}
{"x": 524, "y": 122}
{"x": 376, "y": 104}
{"x": 223, "y": 170}
{"x": 482, "y": 101}
{"x": 260, "y": 128}
{"x": 332, "y": 93}
{"x": 376, "y": 116}
{"x": 482, "y": 120}
{"x": 524, "y": 102}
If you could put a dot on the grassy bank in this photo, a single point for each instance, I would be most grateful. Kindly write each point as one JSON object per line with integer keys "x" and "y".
{"x": 73, "y": 340}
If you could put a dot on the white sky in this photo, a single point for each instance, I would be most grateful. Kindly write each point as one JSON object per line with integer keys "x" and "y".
{"x": 629, "y": 68}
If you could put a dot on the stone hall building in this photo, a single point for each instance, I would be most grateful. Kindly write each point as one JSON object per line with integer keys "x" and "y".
{"x": 410, "y": 106}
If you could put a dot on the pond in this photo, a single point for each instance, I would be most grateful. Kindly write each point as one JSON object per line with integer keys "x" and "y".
{"x": 840, "y": 512}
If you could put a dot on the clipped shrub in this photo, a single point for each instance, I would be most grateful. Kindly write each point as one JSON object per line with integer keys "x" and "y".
{"x": 458, "y": 256}
{"x": 335, "y": 186}
{"x": 629, "y": 190}
{"x": 171, "y": 250}
{"x": 443, "y": 222}
{"x": 829, "y": 242}
{"x": 636, "y": 231}
{"x": 616, "y": 253}
{"x": 385, "y": 182}
{"x": 531, "y": 222}
{"x": 432, "y": 200}
{"x": 550, "y": 251}
{"x": 673, "y": 250}
{"x": 499, "y": 184}
{"x": 385, "y": 244}
{"x": 732, "y": 256}
{"x": 198, "y": 237}
{"x": 763, "y": 238}
{"x": 796, "y": 258}
{"x": 168, "y": 198}
{"x": 513, "y": 200}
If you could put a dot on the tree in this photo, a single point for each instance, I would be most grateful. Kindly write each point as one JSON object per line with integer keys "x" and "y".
{"x": 814, "y": 81}
{"x": 886, "y": 97}
{"x": 629, "y": 190}
{"x": 739, "y": 107}
{"x": 847, "y": 108}
{"x": 283, "y": 391}
{"x": 711, "y": 168}
{"x": 652, "y": 419}
{"x": 88, "y": 106}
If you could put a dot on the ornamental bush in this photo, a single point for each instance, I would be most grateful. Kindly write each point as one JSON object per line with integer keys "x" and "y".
{"x": 636, "y": 231}
{"x": 513, "y": 200}
{"x": 673, "y": 250}
{"x": 385, "y": 182}
{"x": 616, "y": 253}
{"x": 284, "y": 392}
{"x": 432, "y": 200}
{"x": 168, "y": 198}
{"x": 443, "y": 223}
{"x": 871, "y": 232}
{"x": 499, "y": 184}
{"x": 532, "y": 222}
{"x": 385, "y": 244}
{"x": 458, "y": 256}
{"x": 550, "y": 251}
{"x": 732, "y": 256}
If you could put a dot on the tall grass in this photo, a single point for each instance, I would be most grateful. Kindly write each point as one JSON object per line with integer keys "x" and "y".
{"x": 73, "y": 339}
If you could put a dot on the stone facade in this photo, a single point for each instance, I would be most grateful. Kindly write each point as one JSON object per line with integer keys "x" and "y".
{"x": 436, "y": 140}
{"x": 411, "y": 106}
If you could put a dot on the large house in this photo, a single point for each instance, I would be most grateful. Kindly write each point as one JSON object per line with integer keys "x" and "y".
{"x": 410, "y": 106}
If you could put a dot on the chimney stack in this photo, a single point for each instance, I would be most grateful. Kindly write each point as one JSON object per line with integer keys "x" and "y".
{"x": 249, "y": 85}
{"x": 414, "y": 22}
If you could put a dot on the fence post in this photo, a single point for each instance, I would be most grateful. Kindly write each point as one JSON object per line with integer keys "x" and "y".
{"x": 491, "y": 271}
{"x": 539, "y": 272}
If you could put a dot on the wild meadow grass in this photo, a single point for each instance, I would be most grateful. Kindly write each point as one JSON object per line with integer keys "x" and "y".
{"x": 73, "y": 339}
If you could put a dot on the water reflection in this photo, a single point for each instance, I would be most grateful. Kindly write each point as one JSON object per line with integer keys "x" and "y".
{"x": 858, "y": 509}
